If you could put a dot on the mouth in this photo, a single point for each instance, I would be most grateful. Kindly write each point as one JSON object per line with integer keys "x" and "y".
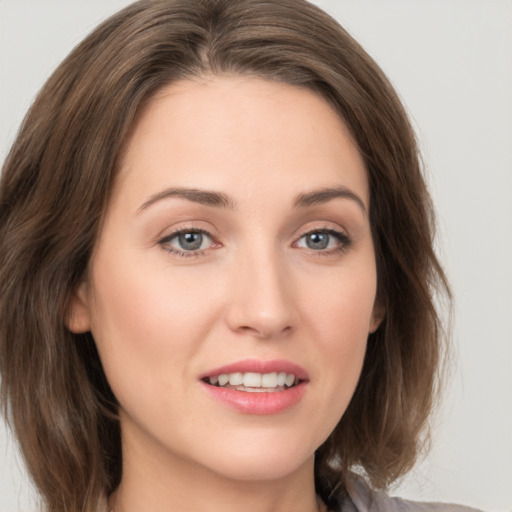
{"x": 254, "y": 386}
{"x": 253, "y": 382}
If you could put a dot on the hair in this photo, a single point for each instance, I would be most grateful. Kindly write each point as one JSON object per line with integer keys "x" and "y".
{"x": 56, "y": 184}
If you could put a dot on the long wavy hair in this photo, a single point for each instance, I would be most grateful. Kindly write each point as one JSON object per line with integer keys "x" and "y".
{"x": 56, "y": 184}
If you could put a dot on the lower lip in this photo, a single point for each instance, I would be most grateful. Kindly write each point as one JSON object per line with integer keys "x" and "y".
{"x": 246, "y": 402}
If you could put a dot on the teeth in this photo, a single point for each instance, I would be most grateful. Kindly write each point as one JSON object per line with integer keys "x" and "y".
{"x": 269, "y": 380}
{"x": 223, "y": 379}
{"x": 253, "y": 390}
{"x": 290, "y": 380}
{"x": 236, "y": 379}
{"x": 254, "y": 382}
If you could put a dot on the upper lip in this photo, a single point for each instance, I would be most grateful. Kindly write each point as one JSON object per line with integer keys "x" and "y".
{"x": 259, "y": 366}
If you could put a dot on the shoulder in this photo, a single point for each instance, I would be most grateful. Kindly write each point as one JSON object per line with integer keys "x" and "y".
{"x": 364, "y": 499}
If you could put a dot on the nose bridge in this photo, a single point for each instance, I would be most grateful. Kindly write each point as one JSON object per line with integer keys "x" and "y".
{"x": 261, "y": 301}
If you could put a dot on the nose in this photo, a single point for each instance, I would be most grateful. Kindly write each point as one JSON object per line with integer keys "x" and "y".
{"x": 261, "y": 298}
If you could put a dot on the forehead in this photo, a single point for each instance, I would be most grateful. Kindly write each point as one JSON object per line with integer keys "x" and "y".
{"x": 220, "y": 131}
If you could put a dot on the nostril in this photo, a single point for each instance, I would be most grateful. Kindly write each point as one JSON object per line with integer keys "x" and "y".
{"x": 265, "y": 332}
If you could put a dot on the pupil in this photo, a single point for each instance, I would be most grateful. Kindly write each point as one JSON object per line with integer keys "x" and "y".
{"x": 191, "y": 241}
{"x": 317, "y": 240}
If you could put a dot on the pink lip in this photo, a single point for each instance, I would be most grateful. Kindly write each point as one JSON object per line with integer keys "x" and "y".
{"x": 257, "y": 403}
{"x": 268, "y": 402}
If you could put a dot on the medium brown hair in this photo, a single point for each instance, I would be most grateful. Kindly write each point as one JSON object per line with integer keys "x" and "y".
{"x": 56, "y": 184}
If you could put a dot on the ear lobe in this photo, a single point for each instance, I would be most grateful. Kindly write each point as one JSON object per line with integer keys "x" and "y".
{"x": 78, "y": 318}
{"x": 378, "y": 314}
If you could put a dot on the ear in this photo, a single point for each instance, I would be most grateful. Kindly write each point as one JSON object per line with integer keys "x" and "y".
{"x": 378, "y": 314}
{"x": 78, "y": 318}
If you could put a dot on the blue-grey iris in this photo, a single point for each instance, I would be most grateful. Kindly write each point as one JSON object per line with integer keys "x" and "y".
{"x": 317, "y": 240}
{"x": 190, "y": 241}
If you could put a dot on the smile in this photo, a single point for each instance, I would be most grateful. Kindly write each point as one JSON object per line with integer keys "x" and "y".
{"x": 257, "y": 387}
{"x": 254, "y": 382}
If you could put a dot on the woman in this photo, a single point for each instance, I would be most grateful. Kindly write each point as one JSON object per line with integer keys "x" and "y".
{"x": 217, "y": 268}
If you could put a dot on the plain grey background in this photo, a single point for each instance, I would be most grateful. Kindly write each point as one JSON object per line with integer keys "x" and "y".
{"x": 451, "y": 61}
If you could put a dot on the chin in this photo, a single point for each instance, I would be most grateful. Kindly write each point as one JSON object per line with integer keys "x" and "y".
{"x": 260, "y": 459}
{"x": 265, "y": 467}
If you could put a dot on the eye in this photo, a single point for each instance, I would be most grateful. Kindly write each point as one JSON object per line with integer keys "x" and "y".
{"x": 323, "y": 240}
{"x": 187, "y": 241}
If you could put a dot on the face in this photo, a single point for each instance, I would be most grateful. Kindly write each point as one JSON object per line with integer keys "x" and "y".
{"x": 232, "y": 288}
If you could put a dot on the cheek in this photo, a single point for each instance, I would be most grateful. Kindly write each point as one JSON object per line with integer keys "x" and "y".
{"x": 146, "y": 324}
{"x": 342, "y": 335}
{"x": 340, "y": 318}
{"x": 340, "y": 303}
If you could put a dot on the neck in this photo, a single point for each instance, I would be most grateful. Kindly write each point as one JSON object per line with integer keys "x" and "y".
{"x": 162, "y": 482}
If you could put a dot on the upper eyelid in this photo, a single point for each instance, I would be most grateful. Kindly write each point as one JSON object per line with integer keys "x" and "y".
{"x": 187, "y": 227}
{"x": 343, "y": 237}
{"x": 204, "y": 225}
{"x": 323, "y": 228}
{"x": 298, "y": 233}
{"x": 180, "y": 231}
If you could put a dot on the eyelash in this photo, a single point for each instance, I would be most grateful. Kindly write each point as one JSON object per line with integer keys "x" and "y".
{"x": 344, "y": 242}
{"x": 184, "y": 254}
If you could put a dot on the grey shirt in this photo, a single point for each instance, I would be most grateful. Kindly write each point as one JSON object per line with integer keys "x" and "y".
{"x": 364, "y": 499}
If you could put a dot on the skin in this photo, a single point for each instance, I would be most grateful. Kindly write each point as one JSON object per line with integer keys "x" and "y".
{"x": 162, "y": 316}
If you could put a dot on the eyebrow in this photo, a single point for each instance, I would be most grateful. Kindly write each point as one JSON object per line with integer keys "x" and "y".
{"x": 325, "y": 195}
{"x": 206, "y": 197}
{"x": 221, "y": 200}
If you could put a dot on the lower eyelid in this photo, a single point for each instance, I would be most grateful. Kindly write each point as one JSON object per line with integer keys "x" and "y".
{"x": 185, "y": 254}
